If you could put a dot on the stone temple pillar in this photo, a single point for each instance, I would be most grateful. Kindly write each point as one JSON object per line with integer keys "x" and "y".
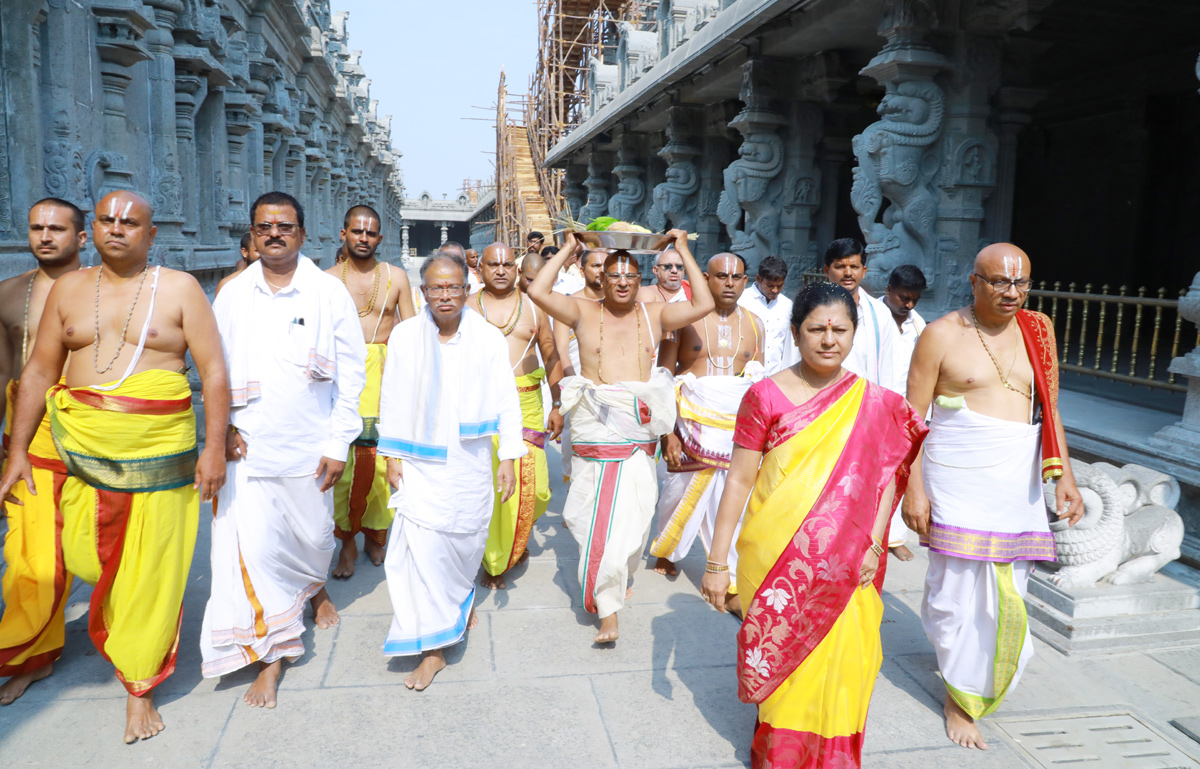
{"x": 445, "y": 226}
{"x": 404, "y": 240}
{"x": 166, "y": 180}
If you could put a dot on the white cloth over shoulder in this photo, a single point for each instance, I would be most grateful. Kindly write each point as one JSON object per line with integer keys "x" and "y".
{"x": 272, "y": 541}
{"x": 423, "y": 408}
{"x": 303, "y": 345}
{"x": 872, "y": 356}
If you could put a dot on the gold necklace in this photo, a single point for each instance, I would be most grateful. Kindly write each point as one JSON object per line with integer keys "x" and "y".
{"x": 600, "y": 351}
{"x": 513, "y": 319}
{"x": 1003, "y": 379}
{"x": 96, "y": 338}
{"x": 708, "y": 344}
{"x": 370, "y": 308}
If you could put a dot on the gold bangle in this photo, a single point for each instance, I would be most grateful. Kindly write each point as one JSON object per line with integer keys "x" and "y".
{"x": 716, "y": 568}
{"x": 877, "y": 549}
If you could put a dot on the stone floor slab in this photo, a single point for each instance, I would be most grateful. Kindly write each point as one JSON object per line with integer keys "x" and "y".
{"x": 360, "y": 661}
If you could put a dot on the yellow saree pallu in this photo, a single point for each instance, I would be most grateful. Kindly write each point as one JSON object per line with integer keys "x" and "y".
{"x": 360, "y": 496}
{"x": 130, "y": 514}
{"x": 36, "y": 582}
{"x": 809, "y": 648}
{"x": 512, "y": 521}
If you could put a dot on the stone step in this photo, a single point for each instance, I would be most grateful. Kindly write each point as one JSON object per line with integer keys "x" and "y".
{"x": 1105, "y": 646}
{"x": 1119, "y": 626}
{"x": 1175, "y": 588}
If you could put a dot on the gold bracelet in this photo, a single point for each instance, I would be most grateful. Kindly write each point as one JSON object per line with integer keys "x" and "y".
{"x": 877, "y": 548}
{"x": 716, "y": 568}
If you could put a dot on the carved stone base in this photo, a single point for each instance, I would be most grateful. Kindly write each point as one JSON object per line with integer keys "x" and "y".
{"x": 1106, "y": 619}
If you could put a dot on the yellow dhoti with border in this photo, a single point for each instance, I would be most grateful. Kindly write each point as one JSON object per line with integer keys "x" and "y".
{"x": 36, "y": 583}
{"x": 130, "y": 514}
{"x": 512, "y": 521}
{"x": 361, "y": 495}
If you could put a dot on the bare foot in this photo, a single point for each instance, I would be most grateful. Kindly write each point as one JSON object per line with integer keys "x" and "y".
{"x": 493, "y": 583}
{"x": 902, "y": 552}
{"x": 961, "y": 728}
{"x": 17, "y": 685}
{"x": 608, "y": 630}
{"x": 141, "y": 719}
{"x": 324, "y": 612}
{"x": 524, "y": 557}
{"x": 733, "y": 604}
{"x": 430, "y": 666}
{"x": 665, "y": 567}
{"x": 346, "y": 559}
{"x": 375, "y": 551}
{"x": 473, "y": 620}
{"x": 261, "y": 693}
{"x": 628, "y": 593}
{"x": 564, "y": 525}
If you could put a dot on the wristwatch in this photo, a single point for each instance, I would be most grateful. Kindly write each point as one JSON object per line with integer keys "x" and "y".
{"x": 556, "y": 404}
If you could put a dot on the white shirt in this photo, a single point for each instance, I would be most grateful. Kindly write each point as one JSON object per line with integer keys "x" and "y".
{"x": 875, "y": 344}
{"x": 296, "y": 422}
{"x": 567, "y": 283}
{"x": 779, "y": 350}
{"x": 457, "y": 495}
{"x": 912, "y": 327}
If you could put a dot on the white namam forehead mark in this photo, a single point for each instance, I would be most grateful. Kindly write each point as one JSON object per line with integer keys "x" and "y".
{"x": 1012, "y": 266}
{"x": 44, "y": 219}
{"x": 363, "y": 222}
{"x": 114, "y": 208}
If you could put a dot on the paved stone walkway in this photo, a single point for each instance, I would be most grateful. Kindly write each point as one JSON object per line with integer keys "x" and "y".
{"x": 527, "y": 689}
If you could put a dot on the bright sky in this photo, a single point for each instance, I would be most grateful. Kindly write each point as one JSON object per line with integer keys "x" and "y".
{"x": 429, "y": 63}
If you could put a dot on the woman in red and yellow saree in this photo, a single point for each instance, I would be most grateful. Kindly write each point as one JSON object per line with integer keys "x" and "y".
{"x": 823, "y": 457}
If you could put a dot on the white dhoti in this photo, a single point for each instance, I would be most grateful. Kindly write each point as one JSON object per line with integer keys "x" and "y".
{"x": 989, "y": 524}
{"x": 272, "y": 542}
{"x": 689, "y": 500}
{"x": 610, "y": 506}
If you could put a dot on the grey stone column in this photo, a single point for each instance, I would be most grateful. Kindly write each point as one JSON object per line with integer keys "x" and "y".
{"x": 120, "y": 44}
{"x": 404, "y": 239}
{"x": 445, "y": 226}
{"x": 833, "y": 153}
{"x": 190, "y": 91}
{"x": 676, "y": 200}
{"x": 1014, "y": 106}
{"x": 165, "y": 179}
{"x": 718, "y": 151}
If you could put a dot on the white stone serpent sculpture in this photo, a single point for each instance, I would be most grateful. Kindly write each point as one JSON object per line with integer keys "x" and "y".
{"x": 1128, "y": 531}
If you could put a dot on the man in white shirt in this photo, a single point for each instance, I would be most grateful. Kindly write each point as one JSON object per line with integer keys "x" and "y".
{"x": 766, "y": 300}
{"x": 297, "y": 361}
{"x": 872, "y": 356}
{"x": 904, "y": 288}
{"x": 569, "y": 279}
{"x": 440, "y": 409}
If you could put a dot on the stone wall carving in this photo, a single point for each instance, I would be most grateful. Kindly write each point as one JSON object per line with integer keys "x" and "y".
{"x": 678, "y": 20}
{"x": 234, "y": 98}
{"x": 626, "y": 202}
{"x": 749, "y": 204}
{"x": 675, "y": 200}
{"x": 597, "y": 188}
{"x": 1129, "y": 529}
{"x": 574, "y": 193}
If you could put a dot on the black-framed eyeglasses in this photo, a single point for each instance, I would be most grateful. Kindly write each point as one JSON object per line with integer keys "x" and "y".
{"x": 285, "y": 228}
{"x": 1000, "y": 286}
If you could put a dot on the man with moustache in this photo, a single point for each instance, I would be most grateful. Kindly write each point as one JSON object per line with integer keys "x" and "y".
{"x": 382, "y": 295}
{"x": 669, "y": 284}
{"x": 36, "y": 583}
{"x": 873, "y": 355}
{"x": 297, "y": 365}
{"x": 523, "y": 325}
{"x": 714, "y": 360}
{"x": 567, "y": 344}
{"x": 766, "y": 300}
{"x": 620, "y": 406}
{"x": 440, "y": 411}
{"x": 123, "y": 425}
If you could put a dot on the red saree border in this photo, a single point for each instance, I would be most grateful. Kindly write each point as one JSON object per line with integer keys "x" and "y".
{"x": 1037, "y": 331}
{"x": 60, "y": 596}
{"x": 606, "y": 496}
{"x": 123, "y": 403}
{"x": 816, "y": 575}
{"x": 788, "y": 749}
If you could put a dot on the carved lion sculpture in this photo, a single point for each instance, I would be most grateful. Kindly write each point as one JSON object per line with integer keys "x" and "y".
{"x": 1128, "y": 530}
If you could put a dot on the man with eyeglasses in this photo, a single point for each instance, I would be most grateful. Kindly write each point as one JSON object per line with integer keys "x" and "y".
{"x": 527, "y": 333}
{"x": 131, "y": 479}
{"x": 873, "y": 354}
{"x": 297, "y": 365}
{"x": 444, "y": 408}
{"x": 990, "y": 372}
{"x": 383, "y": 298}
{"x": 714, "y": 360}
{"x": 669, "y": 284}
{"x": 620, "y": 406}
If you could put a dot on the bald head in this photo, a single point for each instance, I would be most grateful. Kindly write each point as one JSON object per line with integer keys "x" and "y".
{"x": 472, "y": 257}
{"x": 450, "y": 247}
{"x": 1002, "y": 260}
{"x": 529, "y": 270}
{"x": 726, "y": 276}
{"x": 498, "y": 268}
{"x": 123, "y": 230}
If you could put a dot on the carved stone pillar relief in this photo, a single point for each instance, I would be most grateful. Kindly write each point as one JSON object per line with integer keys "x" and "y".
{"x": 749, "y": 205}
{"x": 626, "y": 202}
{"x": 597, "y": 187}
{"x": 675, "y": 199}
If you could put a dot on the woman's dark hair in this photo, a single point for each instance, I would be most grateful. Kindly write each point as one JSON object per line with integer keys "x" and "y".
{"x": 822, "y": 294}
